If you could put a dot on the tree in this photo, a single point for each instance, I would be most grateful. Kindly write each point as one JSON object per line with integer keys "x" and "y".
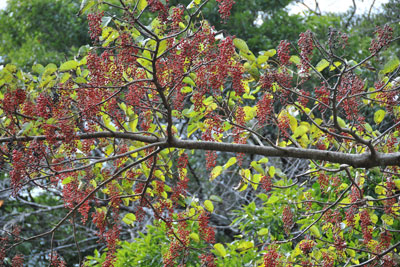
{"x": 30, "y": 32}
{"x": 111, "y": 134}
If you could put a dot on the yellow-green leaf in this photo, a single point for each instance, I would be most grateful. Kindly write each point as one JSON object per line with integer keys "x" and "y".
{"x": 189, "y": 81}
{"x": 142, "y": 4}
{"x": 215, "y": 172}
{"x": 322, "y": 65}
{"x": 256, "y": 178}
{"x": 257, "y": 167}
{"x": 292, "y": 123}
{"x": 262, "y": 59}
{"x": 387, "y": 219}
{"x": 209, "y": 205}
{"x": 240, "y": 44}
{"x": 262, "y": 231}
{"x": 379, "y": 115}
{"x": 67, "y": 180}
{"x": 374, "y": 218}
{"x": 397, "y": 183}
{"x": 391, "y": 65}
{"x": 129, "y": 218}
{"x": 85, "y": 5}
{"x": 295, "y": 60}
{"x": 195, "y": 237}
{"x": 314, "y": 230}
{"x": 270, "y": 53}
{"x": 245, "y": 245}
{"x": 301, "y": 130}
{"x": 271, "y": 171}
{"x": 230, "y": 162}
{"x": 220, "y": 249}
{"x": 69, "y": 65}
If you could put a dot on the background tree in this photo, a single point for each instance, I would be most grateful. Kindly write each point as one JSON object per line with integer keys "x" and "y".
{"x": 31, "y": 31}
{"x": 115, "y": 131}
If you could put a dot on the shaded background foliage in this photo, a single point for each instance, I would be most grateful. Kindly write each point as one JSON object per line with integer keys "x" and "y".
{"x": 41, "y": 31}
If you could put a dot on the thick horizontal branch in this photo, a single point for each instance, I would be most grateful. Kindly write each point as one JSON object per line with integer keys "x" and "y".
{"x": 121, "y": 135}
{"x": 364, "y": 160}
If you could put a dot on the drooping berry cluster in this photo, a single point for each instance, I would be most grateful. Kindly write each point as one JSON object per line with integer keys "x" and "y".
{"x": 306, "y": 45}
{"x": 287, "y": 218}
{"x": 225, "y": 7}
{"x": 283, "y": 52}
{"x": 94, "y": 20}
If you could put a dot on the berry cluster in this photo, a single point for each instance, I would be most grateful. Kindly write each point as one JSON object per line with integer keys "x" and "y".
{"x": 225, "y": 7}
{"x": 266, "y": 183}
{"x": 94, "y": 20}
{"x": 306, "y": 246}
{"x": 265, "y": 108}
{"x": 365, "y": 226}
{"x": 207, "y": 260}
{"x": 306, "y": 45}
{"x": 384, "y": 36}
{"x": 18, "y": 261}
{"x": 283, "y": 52}
{"x": 206, "y": 232}
{"x": 287, "y": 218}
{"x": 272, "y": 258}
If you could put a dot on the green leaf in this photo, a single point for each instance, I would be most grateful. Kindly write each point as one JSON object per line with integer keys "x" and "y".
{"x": 262, "y": 59}
{"x": 85, "y": 5}
{"x": 38, "y": 68}
{"x": 271, "y": 171}
{"x": 65, "y": 77}
{"x": 248, "y": 55}
{"x": 189, "y": 81}
{"x": 241, "y": 45}
{"x": 273, "y": 199}
{"x": 341, "y": 122}
{"x": 245, "y": 245}
{"x": 69, "y": 65}
{"x": 295, "y": 60}
{"x": 314, "y": 230}
{"x": 220, "y": 249}
{"x": 262, "y": 231}
{"x": 391, "y": 65}
{"x": 270, "y": 53}
{"x": 216, "y": 198}
{"x": 215, "y": 172}
{"x": 379, "y": 115}
{"x": 322, "y": 65}
{"x": 255, "y": 180}
{"x": 50, "y": 68}
{"x": 133, "y": 124}
{"x": 209, "y": 205}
